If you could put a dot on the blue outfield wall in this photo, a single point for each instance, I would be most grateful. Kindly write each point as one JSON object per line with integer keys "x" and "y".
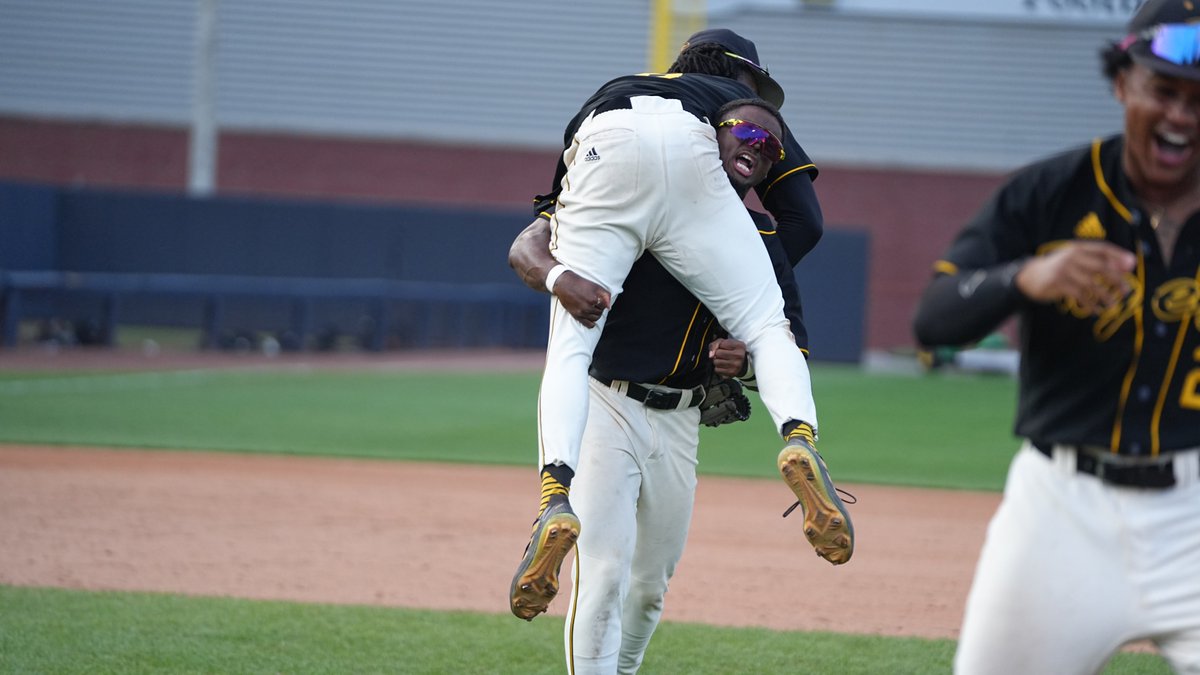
{"x": 168, "y": 234}
{"x": 412, "y": 276}
{"x": 833, "y": 291}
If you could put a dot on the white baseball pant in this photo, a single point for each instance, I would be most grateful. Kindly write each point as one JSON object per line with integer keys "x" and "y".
{"x": 1073, "y": 568}
{"x": 634, "y": 493}
{"x": 650, "y": 179}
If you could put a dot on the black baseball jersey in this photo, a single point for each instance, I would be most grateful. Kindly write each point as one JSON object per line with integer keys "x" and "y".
{"x": 787, "y": 192}
{"x": 1128, "y": 378}
{"x": 658, "y": 332}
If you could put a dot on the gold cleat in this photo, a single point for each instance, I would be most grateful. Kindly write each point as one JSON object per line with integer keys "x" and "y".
{"x": 826, "y": 522}
{"x": 536, "y": 582}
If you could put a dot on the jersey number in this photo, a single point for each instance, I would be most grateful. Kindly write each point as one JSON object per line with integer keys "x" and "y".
{"x": 1190, "y": 396}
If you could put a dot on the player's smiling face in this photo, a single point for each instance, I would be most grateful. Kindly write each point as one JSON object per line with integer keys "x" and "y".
{"x": 744, "y": 163}
{"x": 1162, "y": 129}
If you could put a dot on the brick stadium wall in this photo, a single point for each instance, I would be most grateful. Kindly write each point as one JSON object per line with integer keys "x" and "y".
{"x": 273, "y": 165}
{"x": 910, "y": 215}
{"x": 911, "y": 218}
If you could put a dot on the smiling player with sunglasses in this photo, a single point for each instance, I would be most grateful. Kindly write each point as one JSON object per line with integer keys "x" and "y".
{"x": 1097, "y": 250}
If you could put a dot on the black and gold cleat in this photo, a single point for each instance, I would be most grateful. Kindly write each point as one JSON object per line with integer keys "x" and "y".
{"x": 536, "y": 582}
{"x": 827, "y": 524}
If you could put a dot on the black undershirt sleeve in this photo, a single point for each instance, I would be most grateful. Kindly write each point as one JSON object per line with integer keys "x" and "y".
{"x": 958, "y": 309}
{"x": 798, "y": 218}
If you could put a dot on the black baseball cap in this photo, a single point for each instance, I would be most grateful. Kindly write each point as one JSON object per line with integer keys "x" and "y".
{"x": 743, "y": 50}
{"x": 1164, "y": 36}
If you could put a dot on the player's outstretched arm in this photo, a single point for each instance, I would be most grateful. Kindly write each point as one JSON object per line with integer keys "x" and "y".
{"x": 957, "y": 309}
{"x": 961, "y": 308}
{"x": 792, "y": 201}
{"x": 530, "y": 257}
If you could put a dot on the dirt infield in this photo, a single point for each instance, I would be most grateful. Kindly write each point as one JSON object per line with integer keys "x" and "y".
{"x": 389, "y": 533}
{"x": 444, "y": 536}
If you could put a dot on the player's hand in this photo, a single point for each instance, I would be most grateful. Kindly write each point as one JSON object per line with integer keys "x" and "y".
{"x": 583, "y": 299}
{"x": 1090, "y": 273}
{"x": 728, "y": 357}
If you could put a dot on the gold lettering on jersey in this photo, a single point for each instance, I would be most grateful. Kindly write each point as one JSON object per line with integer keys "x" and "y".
{"x": 1172, "y": 302}
{"x": 1089, "y": 227}
{"x": 1049, "y": 246}
{"x": 1110, "y": 320}
{"x": 1177, "y": 299}
{"x": 1189, "y": 394}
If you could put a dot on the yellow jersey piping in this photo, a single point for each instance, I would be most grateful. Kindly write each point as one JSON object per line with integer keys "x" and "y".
{"x": 1139, "y": 337}
{"x": 945, "y": 267}
{"x": 1156, "y": 419}
{"x": 679, "y": 356}
{"x": 1138, "y": 318}
{"x": 1103, "y": 184}
{"x": 776, "y": 181}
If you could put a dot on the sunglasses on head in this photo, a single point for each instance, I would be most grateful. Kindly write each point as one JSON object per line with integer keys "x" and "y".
{"x": 755, "y": 136}
{"x": 1178, "y": 43}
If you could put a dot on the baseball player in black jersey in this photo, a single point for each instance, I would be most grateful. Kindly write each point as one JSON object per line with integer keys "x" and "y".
{"x": 641, "y": 172}
{"x": 1097, "y": 539}
{"x": 637, "y": 474}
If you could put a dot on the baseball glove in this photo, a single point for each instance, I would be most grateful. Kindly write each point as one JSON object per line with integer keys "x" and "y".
{"x": 723, "y": 403}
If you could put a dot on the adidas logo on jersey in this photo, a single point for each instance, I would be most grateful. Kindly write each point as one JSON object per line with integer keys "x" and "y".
{"x": 591, "y": 156}
{"x": 1089, "y": 227}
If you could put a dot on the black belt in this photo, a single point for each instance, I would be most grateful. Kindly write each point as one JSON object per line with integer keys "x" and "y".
{"x": 658, "y": 399}
{"x": 619, "y": 103}
{"x": 623, "y": 103}
{"x": 1161, "y": 474}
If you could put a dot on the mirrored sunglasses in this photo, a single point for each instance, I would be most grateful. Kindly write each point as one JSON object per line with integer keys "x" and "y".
{"x": 1178, "y": 43}
{"x": 755, "y": 136}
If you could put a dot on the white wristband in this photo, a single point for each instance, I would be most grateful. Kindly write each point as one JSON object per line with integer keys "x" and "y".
{"x": 553, "y": 275}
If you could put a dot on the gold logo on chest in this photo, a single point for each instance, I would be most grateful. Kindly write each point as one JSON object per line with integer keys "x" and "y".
{"x": 1089, "y": 227}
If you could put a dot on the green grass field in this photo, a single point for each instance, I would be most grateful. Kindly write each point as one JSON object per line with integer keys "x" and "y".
{"x": 61, "y": 631}
{"x": 943, "y": 430}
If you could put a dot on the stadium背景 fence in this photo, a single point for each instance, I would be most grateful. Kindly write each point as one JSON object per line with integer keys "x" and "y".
{"x": 393, "y": 276}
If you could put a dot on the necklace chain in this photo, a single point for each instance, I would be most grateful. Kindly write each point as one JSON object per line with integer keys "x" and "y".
{"x": 1156, "y": 217}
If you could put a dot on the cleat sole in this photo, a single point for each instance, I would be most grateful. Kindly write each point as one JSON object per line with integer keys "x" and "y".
{"x": 826, "y": 522}
{"x": 536, "y": 581}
